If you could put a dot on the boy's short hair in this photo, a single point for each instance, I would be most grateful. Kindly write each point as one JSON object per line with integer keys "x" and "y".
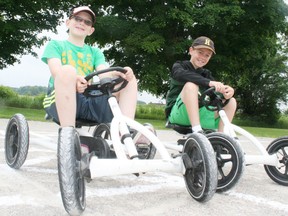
{"x": 77, "y": 10}
{"x": 204, "y": 42}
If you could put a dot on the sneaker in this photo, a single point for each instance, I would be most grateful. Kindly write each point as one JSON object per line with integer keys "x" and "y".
{"x": 145, "y": 149}
{"x": 84, "y": 149}
{"x": 140, "y": 138}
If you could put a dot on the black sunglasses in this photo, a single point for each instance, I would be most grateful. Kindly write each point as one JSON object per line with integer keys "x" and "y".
{"x": 80, "y": 19}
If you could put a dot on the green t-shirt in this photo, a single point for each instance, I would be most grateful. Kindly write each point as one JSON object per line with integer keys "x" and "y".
{"x": 85, "y": 59}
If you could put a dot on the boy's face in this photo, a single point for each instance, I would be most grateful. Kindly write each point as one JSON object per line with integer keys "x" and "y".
{"x": 80, "y": 24}
{"x": 200, "y": 57}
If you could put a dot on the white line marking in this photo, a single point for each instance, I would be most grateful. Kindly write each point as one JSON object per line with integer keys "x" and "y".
{"x": 160, "y": 180}
{"x": 18, "y": 200}
{"x": 34, "y": 150}
{"x": 2, "y": 133}
{"x": 40, "y": 170}
{"x": 38, "y": 160}
{"x": 259, "y": 200}
{"x": 45, "y": 143}
{"x": 30, "y": 162}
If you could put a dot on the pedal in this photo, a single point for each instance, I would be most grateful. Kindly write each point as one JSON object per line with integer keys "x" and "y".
{"x": 187, "y": 161}
{"x": 85, "y": 162}
{"x": 181, "y": 141}
{"x": 136, "y": 174}
{"x": 175, "y": 155}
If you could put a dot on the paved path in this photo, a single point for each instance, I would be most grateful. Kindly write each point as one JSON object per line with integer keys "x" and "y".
{"x": 33, "y": 190}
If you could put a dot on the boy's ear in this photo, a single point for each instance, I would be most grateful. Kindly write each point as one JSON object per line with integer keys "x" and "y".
{"x": 91, "y": 31}
{"x": 67, "y": 22}
{"x": 190, "y": 50}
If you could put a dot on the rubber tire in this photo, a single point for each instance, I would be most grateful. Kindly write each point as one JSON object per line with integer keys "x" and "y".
{"x": 16, "y": 141}
{"x": 100, "y": 147}
{"x": 228, "y": 174}
{"x": 201, "y": 179}
{"x": 103, "y": 131}
{"x": 71, "y": 180}
{"x": 279, "y": 144}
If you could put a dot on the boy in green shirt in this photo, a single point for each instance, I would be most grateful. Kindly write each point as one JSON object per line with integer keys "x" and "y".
{"x": 69, "y": 62}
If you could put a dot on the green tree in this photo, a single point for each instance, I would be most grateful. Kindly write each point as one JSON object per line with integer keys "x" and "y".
{"x": 31, "y": 90}
{"x": 21, "y": 22}
{"x": 250, "y": 38}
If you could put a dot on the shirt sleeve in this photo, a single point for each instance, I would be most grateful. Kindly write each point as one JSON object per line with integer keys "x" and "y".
{"x": 52, "y": 50}
{"x": 183, "y": 74}
{"x": 99, "y": 58}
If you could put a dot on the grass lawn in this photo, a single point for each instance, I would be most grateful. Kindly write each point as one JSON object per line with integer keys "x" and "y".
{"x": 38, "y": 115}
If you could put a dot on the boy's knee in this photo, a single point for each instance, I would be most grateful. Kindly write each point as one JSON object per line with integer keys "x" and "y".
{"x": 190, "y": 88}
{"x": 232, "y": 103}
{"x": 133, "y": 84}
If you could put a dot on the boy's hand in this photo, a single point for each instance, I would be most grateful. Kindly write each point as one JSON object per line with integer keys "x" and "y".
{"x": 219, "y": 87}
{"x": 129, "y": 75}
{"x": 81, "y": 84}
{"x": 228, "y": 92}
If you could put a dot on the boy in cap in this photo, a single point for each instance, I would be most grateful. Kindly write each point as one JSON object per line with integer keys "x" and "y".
{"x": 69, "y": 62}
{"x": 187, "y": 79}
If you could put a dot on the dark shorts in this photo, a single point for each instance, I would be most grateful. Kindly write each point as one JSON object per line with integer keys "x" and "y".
{"x": 94, "y": 109}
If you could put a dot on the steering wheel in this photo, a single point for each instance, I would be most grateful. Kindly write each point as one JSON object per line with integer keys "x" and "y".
{"x": 211, "y": 100}
{"x": 105, "y": 85}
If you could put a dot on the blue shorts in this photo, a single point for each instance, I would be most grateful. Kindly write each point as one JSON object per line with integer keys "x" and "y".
{"x": 94, "y": 109}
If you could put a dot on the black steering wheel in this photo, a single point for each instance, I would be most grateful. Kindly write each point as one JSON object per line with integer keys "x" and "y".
{"x": 105, "y": 85}
{"x": 211, "y": 100}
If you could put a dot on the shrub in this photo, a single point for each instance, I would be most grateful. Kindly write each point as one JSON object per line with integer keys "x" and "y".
{"x": 7, "y": 92}
{"x": 25, "y": 102}
{"x": 150, "y": 111}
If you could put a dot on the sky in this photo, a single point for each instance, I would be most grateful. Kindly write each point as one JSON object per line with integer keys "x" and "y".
{"x": 33, "y": 72}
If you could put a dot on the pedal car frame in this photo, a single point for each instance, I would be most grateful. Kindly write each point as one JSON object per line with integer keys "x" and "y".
{"x": 274, "y": 158}
{"x": 196, "y": 162}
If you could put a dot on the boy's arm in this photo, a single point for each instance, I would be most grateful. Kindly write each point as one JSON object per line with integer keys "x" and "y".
{"x": 182, "y": 74}
{"x": 54, "y": 65}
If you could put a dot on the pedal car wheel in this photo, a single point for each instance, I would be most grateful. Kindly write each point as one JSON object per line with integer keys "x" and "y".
{"x": 145, "y": 149}
{"x": 280, "y": 148}
{"x": 230, "y": 160}
{"x": 16, "y": 141}
{"x": 103, "y": 131}
{"x": 71, "y": 180}
{"x": 201, "y": 177}
{"x": 100, "y": 147}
